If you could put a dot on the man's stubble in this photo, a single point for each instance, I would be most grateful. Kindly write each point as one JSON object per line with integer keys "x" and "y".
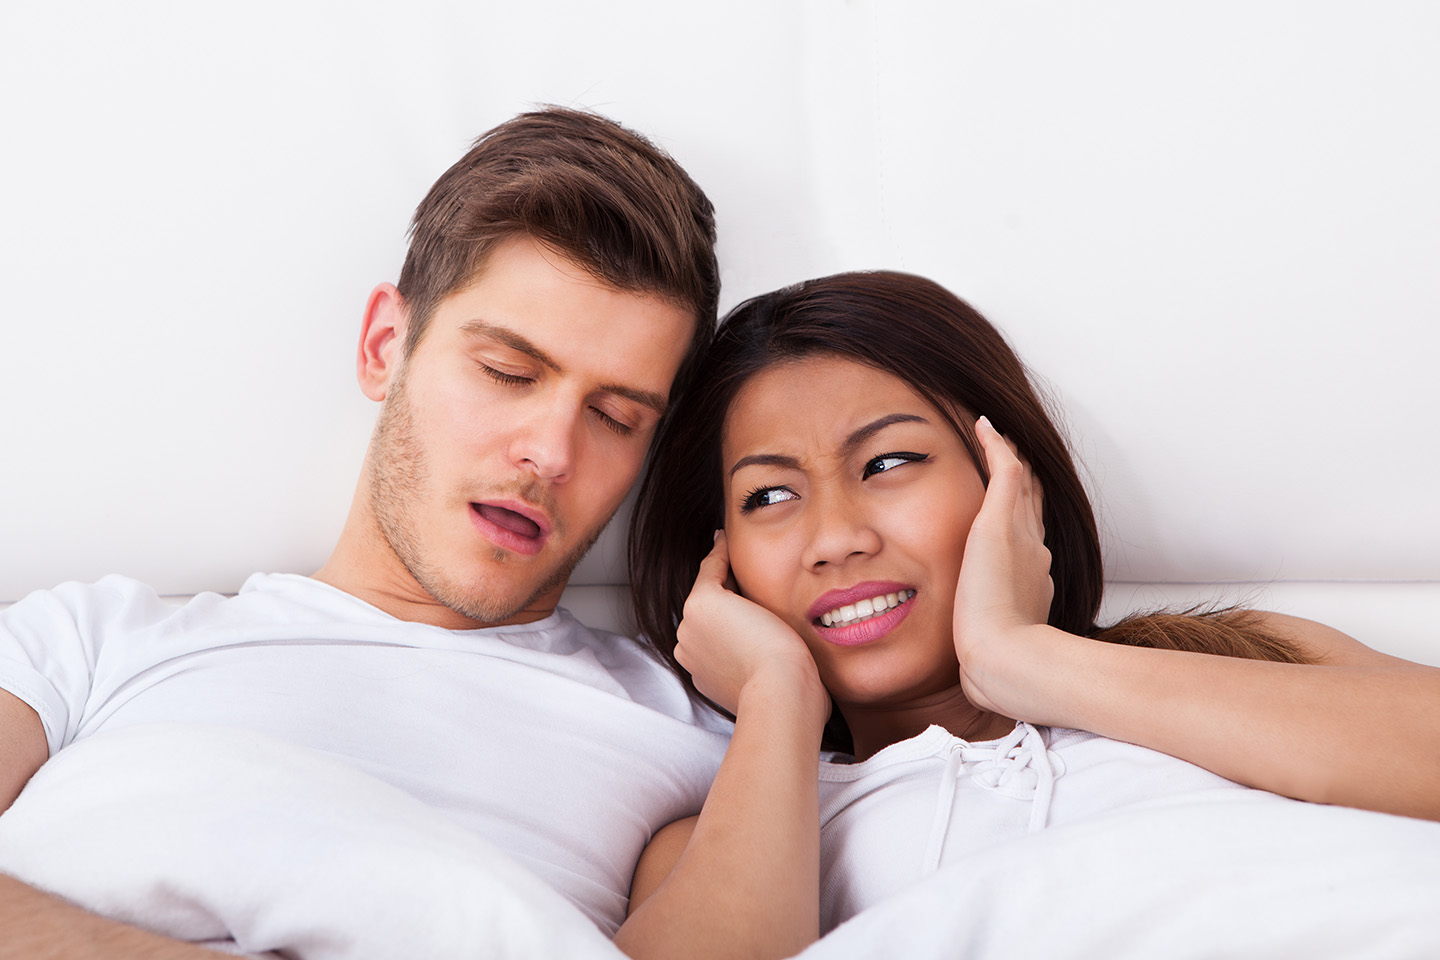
{"x": 399, "y": 471}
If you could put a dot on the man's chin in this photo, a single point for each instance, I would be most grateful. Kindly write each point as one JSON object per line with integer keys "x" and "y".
{"x": 490, "y": 606}
{"x": 494, "y": 601}
{"x": 508, "y": 589}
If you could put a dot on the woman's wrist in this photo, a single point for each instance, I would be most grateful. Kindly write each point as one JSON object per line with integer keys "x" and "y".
{"x": 792, "y": 689}
{"x": 1024, "y": 674}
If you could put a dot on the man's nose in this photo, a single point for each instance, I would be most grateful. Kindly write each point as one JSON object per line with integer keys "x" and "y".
{"x": 544, "y": 443}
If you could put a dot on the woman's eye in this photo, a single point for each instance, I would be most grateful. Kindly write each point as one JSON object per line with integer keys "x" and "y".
{"x": 890, "y": 461}
{"x": 765, "y": 497}
{"x": 508, "y": 379}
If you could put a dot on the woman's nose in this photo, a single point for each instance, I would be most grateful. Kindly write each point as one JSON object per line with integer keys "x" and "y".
{"x": 842, "y": 531}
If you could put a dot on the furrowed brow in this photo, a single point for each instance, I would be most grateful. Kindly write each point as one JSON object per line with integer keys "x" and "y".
{"x": 875, "y": 426}
{"x": 766, "y": 460}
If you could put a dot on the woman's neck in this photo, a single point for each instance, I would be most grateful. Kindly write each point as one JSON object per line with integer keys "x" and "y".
{"x": 875, "y": 727}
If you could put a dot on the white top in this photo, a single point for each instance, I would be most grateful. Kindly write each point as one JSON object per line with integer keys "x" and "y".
{"x": 934, "y": 799}
{"x": 566, "y": 747}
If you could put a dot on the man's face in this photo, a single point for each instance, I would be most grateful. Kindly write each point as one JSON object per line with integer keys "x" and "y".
{"x": 513, "y": 431}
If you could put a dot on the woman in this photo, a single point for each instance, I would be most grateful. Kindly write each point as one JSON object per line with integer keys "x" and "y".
{"x": 892, "y": 575}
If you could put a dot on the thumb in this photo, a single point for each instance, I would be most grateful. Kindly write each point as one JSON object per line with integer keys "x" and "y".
{"x": 716, "y": 565}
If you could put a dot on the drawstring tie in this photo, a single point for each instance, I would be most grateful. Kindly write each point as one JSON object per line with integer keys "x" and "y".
{"x": 1018, "y": 766}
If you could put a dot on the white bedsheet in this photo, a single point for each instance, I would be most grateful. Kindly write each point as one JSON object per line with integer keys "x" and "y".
{"x": 212, "y": 834}
{"x": 1185, "y": 880}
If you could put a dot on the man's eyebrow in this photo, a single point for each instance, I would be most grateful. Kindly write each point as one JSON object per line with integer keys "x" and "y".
{"x": 875, "y": 426}
{"x": 482, "y": 329}
{"x": 645, "y": 398}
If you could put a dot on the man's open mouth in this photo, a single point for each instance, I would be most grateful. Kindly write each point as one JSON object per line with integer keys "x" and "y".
{"x": 516, "y": 523}
{"x": 510, "y": 529}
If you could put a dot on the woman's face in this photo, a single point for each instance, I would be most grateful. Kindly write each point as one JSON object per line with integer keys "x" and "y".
{"x": 842, "y": 488}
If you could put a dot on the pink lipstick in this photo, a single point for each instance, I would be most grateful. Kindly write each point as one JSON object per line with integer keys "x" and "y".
{"x": 862, "y": 613}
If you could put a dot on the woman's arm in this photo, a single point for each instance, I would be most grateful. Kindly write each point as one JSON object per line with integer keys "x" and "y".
{"x": 742, "y": 879}
{"x": 1358, "y": 728}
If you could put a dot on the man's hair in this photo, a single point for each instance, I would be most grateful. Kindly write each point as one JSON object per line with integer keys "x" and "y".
{"x": 601, "y": 194}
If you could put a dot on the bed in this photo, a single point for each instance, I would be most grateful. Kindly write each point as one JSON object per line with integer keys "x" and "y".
{"x": 266, "y": 848}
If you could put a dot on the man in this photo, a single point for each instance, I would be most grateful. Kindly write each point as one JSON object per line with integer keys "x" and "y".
{"x": 559, "y": 276}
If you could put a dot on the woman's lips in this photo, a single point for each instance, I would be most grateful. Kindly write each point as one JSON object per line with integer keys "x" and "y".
{"x": 512, "y": 526}
{"x": 853, "y": 632}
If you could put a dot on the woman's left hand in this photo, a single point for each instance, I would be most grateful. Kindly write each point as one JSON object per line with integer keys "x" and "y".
{"x": 1005, "y": 583}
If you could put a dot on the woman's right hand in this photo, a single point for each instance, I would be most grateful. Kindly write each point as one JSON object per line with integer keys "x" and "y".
{"x": 742, "y": 878}
{"x": 727, "y": 642}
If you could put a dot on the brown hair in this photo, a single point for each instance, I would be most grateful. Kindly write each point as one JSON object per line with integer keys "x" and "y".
{"x": 954, "y": 358}
{"x": 602, "y": 194}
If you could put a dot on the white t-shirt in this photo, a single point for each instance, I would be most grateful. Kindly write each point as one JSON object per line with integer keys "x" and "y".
{"x": 566, "y": 747}
{"x": 894, "y": 818}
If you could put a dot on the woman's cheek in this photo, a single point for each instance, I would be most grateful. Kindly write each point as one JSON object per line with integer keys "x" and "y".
{"x": 742, "y": 567}
{"x": 757, "y": 575}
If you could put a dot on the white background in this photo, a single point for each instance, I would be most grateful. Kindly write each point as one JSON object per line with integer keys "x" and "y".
{"x": 1212, "y": 230}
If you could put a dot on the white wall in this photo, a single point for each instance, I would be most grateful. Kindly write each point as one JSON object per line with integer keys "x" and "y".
{"x": 1210, "y": 228}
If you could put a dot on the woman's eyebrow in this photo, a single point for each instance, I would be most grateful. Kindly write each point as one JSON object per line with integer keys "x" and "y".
{"x": 766, "y": 460}
{"x": 875, "y": 426}
{"x": 856, "y": 438}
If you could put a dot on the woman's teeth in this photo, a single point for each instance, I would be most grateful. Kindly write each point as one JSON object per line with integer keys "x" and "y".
{"x": 864, "y": 609}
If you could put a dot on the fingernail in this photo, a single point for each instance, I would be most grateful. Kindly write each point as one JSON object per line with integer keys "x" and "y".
{"x": 715, "y": 537}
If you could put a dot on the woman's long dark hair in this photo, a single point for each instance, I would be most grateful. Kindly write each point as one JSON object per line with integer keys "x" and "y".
{"x": 919, "y": 332}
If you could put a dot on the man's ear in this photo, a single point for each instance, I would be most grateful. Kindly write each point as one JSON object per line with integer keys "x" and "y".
{"x": 382, "y": 341}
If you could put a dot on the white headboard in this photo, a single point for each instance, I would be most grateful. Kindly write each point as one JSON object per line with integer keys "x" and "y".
{"x": 1212, "y": 230}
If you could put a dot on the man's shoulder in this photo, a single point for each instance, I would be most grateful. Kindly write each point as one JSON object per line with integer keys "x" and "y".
{"x": 78, "y": 600}
{"x": 614, "y": 650}
{"x": 121, "y": 602}
{"x": 644, "y": 674}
